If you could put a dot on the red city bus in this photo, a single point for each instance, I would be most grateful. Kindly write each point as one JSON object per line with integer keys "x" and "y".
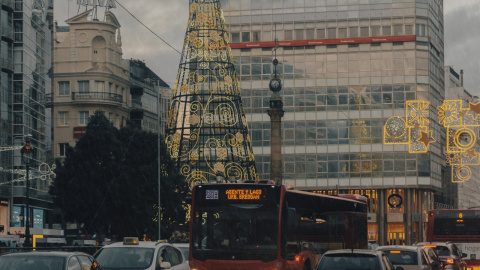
{"x": 460, "y": 227}
{"x": 268, "y": 226}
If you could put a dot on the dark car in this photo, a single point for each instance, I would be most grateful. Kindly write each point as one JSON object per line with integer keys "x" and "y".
{"x": 48, "y": 260}
{"x": 355, "y": 259}
{"x": 448, "y": 253}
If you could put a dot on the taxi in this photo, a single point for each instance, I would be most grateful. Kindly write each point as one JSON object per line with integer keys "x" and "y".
{"x": 141, "y": 255}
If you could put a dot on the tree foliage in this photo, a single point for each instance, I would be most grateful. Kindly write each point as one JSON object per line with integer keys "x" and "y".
{"x": 109, "y": 182}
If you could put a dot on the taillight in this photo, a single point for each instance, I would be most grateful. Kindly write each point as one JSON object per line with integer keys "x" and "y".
{"x": 297, "y": 258}
{"x": 450, "y": 261}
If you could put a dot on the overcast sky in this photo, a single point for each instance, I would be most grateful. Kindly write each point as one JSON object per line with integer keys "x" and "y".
{"x": 168, "y": 19}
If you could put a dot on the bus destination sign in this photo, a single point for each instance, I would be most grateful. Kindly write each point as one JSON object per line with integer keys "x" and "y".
{"x": 243, "y": 194}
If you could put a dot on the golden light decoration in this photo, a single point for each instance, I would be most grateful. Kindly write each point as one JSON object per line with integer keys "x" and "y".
{"x": 207, "y": 130}
{"x": 412, "y": 130}
{"x": 461, "y": 149}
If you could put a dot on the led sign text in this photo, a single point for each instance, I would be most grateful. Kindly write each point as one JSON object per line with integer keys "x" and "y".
{"x": 243, "y": 194}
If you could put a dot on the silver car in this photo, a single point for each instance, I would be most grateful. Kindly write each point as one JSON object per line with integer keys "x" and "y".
{"x": 48, "y": 260}
{"x": 350, "y": 259}
{"x": 412, "y": 257}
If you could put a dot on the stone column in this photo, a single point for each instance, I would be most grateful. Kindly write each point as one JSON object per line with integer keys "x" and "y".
{"x": 276, "y": 113}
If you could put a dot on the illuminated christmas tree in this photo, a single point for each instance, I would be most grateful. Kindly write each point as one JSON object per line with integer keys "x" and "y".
{"x": 207, "y": 132}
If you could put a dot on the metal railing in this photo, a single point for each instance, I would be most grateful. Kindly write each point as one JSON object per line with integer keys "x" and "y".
{"x": 6, "y": 62}
{"x": 9, "y": 3}
{"x": 7, "y": 32}
{"x": 97, "y": 96}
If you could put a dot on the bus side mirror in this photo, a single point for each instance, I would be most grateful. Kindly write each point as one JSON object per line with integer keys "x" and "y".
{"x": 291, "y": 217}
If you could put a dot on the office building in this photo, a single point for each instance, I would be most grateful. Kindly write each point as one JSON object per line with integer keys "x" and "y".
{"x": 26, "y": 53}
{"x": 346, "y": 67}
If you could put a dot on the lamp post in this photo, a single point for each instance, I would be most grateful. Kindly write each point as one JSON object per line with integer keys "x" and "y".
{"x": 159, "y": 172}
{"x": 27, "y": 149}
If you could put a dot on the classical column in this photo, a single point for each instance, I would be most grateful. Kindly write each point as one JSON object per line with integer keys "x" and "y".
{"x": 276, "y": 113}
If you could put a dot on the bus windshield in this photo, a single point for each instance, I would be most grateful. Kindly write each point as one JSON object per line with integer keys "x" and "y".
{"x": 236, "y": 229}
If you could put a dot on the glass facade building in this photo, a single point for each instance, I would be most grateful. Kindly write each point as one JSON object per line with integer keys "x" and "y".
{"x": 346, "y": 67}
{"x": 26, "y": 53}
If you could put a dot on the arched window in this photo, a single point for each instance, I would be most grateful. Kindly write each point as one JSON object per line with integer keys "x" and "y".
{"x": 99, "y": 49}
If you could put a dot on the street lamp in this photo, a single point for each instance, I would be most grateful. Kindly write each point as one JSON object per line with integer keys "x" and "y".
{"x": 27, "y": 155}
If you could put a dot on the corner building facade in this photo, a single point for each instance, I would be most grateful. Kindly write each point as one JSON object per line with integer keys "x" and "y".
{"x": 346, "y": 67}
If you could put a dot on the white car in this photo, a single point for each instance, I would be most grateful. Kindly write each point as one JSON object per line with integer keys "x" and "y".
{"x": 412, "y": 257}
{"x": 141, "y": 255}
{"x": 184, "y": 247}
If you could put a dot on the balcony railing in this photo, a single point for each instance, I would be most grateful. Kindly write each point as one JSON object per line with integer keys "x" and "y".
{"x": 6, "y": 62}
{"x": 97, "y": 96}
{"x": 9, "y": 3}
{"x": 7, "y": 32}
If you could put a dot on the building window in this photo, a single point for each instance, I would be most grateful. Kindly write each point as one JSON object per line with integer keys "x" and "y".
{"x": 409, "y": 30}
{"x": 99, "y": 86}
{"x": 421, "y": 30}
{"x": 310, "y": 34}
{"x": 63, "y": 148}
{"x": 299, "y": 34}
{"x": 375, "y": 31}
{"x": 353, "y": 31}
{"x": 320, "y": 33}
{"x": 364, "y": 31}
{"x": 83, "y": 86}
{"x": 331, "y": 33}
{"x": 398, "y": 30}
{"x": 386, "y": 30}
{"x": 63, "y": 88}
{"x": 83, "y": 118}
{"x": 63, "y": 119}
{"x": 288, "y": 35}
{"x": 245, "y": 36}
{"x": 256, "y": 36}
{"x": 235, "y": 37}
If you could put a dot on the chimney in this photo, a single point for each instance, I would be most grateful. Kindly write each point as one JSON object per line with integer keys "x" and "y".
{"x": 461, "y": 77}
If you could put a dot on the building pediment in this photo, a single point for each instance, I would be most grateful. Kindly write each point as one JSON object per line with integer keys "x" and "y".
{"x": 100, "y": 68}
{"x": 83, "y": 18}
{"x": 80, "y": 18}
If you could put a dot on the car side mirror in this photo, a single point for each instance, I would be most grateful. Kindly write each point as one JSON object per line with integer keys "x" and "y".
{"x": 464, "y": 255}
{"x": 165, "y": 265}
{"x": 95, "y": 266}
{"x": 399, "y": 268}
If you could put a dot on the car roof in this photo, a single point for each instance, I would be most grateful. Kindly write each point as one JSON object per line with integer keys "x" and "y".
{"x": 355, "y": 251}
{"x": 47, "y": 253}
{"x": 434, "y": 243}
{"x": 144, "y": 244}
{"x": 181, "y": 244}
{"x": 399, "y": 247}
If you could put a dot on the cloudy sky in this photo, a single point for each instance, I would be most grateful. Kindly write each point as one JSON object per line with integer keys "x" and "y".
{"x": 168, "y": 18}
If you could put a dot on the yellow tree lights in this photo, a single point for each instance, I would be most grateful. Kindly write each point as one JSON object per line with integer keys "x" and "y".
{"x": 207, "y": 133}
{"x": 461, "y": 149}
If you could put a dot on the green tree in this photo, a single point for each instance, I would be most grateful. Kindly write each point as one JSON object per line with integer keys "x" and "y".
{"x": 109, "y": 182}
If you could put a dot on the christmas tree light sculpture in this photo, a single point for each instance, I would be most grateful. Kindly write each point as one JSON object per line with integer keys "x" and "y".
{"x": 207, "y": 133}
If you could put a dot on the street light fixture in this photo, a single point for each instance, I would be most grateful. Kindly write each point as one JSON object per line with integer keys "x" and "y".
{"x": 27, "y": 157}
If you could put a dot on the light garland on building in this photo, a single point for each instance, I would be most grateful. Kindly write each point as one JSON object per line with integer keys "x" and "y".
{"x": 461, "y": 150}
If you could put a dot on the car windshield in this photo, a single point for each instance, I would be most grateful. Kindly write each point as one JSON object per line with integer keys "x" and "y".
{"x": 240, "y": 231}
{"x": 442, "y": 251}
{"x": 29, "y": 262}
{"x": 185, "y": 251}
{"x": 125, "y": 258}
{"x": 402, "y": 257}
{"x": 350, "y": 261}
